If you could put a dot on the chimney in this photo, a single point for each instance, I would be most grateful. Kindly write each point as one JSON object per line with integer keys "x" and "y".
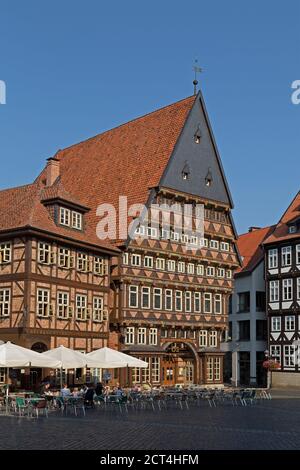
{"x": 252, "y": 229}
{"x": 52, "y": 170}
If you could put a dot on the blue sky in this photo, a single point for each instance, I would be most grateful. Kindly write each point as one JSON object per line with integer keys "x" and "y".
{"x": 73, "y": 69}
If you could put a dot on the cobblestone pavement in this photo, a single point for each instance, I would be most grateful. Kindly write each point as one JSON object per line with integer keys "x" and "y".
{"x": 271, "y": 424}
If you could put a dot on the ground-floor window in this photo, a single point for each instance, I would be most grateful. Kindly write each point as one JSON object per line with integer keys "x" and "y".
{"x": 2, "y": 375}
{"x": 213, "y": 369}
{"x": 289, "y": 356}
{"x": 143, "y": 375}
{"x": 275, "y": 352}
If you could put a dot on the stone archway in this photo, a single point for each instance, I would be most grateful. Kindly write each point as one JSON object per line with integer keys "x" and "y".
{"x": 191, "y": 347}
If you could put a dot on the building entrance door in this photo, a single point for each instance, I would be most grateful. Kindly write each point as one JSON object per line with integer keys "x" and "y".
{"x": 168, "y": 371}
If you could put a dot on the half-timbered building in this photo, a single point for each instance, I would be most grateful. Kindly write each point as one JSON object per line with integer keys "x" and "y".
{"x": 169, "y": 288}
{"x": 282, "y": 265}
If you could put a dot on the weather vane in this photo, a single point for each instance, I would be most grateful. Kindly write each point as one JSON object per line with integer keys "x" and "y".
{"x": 196, "y": 70}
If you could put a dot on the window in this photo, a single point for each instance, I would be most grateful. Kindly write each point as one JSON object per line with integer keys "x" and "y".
{"x": 184, "y": 238}
{"x": 224, "y": 246}
{"x": 153, "y": 336}
{"x": 142, "y": 335}
{"x": 64, "y": 216}
{"x": 171, "y": 265}
{"x": 81, "y": 307}
{"x": 64, "y": 258}
{"x": 145, "y": 297}
{"x": 214, "y": 244}
{"x": 164, "y": 333}
{"x": 181, "y": 266}
{"x": 145, "y": 370}
{"x": 275, "y": 352}
{"x": 200, "y": 269}
{"x": 210, "y": 369}
{"x": 5, "y": 253}
{"x": 136, "y": 260}
{"x": 129, "y": 335}
{"x": 43, "y": 302}
{"x": 148, "y": 261}
{"x": 157, "y": 298}
{"x": 207, "y": 303}
{"x": 155, "y": 369}
{"x": 230, "y": 305}
{"x": 136, "y": 375}
{"x": 292, "y": 229}
{"x": 261, "y": 330}
{"x": 229, "y": 274}
{"x": 98, "y": 309}
{"x": 286, "y": 256}
{"x": 133, "y": 296}
{"x": 188, "y": 301}
{"x": 244, "y": 330}
{"x": 202, "y": 338}
{"x": 178, "y": 300}
{"x": 2, "y": 375}
{"x": 244, "y": 302}
{"x": 210, "y": 271}
{"x": 100, "y": 266}
{"x": 125, "y": 258}
{"x": 289, "y": 356}
{"x": 276, "y": 324}
{"x": 290, "y": 323}
{"x": 168, "y": 299}
{"x": 298, "y": 288}
{"x": 298, "y": 254}
{"x": 220, "y": 272}
{"x": 63, "y": 305}
{"x": 218, "y": 303}
{"x": 274, "y": 291}
{"x": 273, "y": 258}
{"x": 140, "y": 230}
{"x": 175, "y": 236}
{"x": 287, "y": 285}
{"x": 4, "y": 302}
{"x": 190, "y": 268}
{"x": 44, "y": 253}
{"x": 213, "y": 339}
{"x": 260, "y": 301}
{"x": 197, "y": 302}
{"x": 152, "y": 232}
{"x": 160, "y": 263}
{"x": 194, "y": 240}
{"x": 82, "y": 262}
{"x": 165, "y": 234}
{"x": 76, "y": 220}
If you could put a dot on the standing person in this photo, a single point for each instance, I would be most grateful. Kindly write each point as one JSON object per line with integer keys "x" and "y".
{"x": 89, "y": 396}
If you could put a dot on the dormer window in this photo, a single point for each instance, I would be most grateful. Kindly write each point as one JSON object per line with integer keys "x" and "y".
{"x": 197, "y": 135}
{"x": 185, "y": 172}
{"x": 292, "y": 229}
{"x": 70, "y": 218}
{"x": 208, "y": 178}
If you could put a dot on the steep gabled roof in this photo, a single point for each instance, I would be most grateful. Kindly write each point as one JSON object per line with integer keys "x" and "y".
{"x": 281, "y": 232}
{"x": 250, "y": 248}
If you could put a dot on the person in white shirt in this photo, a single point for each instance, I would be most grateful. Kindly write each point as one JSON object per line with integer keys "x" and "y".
{"x": 65, "y": 391}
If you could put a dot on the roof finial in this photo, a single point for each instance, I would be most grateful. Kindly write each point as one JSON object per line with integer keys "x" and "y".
{"x": 196, "y": 70}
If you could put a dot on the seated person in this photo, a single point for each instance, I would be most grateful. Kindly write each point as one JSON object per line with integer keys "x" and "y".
{"x": 99, "y": 389}
{"x": 65, "y": 391}
{"x": 89, "y": 396}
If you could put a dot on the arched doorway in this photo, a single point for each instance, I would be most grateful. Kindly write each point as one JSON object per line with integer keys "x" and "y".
{"x": 36, "y": 374}
{"x": 180, "y": 364}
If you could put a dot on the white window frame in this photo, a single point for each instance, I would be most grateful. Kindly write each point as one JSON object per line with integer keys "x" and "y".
{"x": 289, "y": 353}
{"x": 152, "y": 232}
{"x": 157, "y": 294}
{"x": 200, "y": 270}
{"x": 125, "y": 258}
{"x": 82, "y": 262}
{"x": 214, "y": 244}
{"x": 145, "y": 294}
{"x": 171, "y": 265}
{"x": 181, "y": 267}
{"x": 63, "y": 305}
{"x": 168, "y": 295}
{"x": 130, "y": 335}
{"x": 207, "y": 298}
{"x": 273, "y": 258}
{"x": 100, "y": 266}
{"x": 289, "y": 323}
{"x": 148, "y": 262}
{"x": 153, "y": 334}
{"x": 142, "y": 335}
{"x": 5, "y": 303}
{"x": 81, "y": 303}
{"x": 65, "y": 216}
{"x": 45, "y": 253}
{"x": 5, "y": 252}
{"x": 43, "y": 303}
{"x": 297, "y": 254}
{"x": 160, "y": 264}
{"x": 286, "y": 256}
{"x": 155, "y": 369}
{"x": 136, "y": 260}
{"x": 197, "y": 299}
{"x": 77, "y": 220}
{"x": 218, "y": 304}
{"x": 229, "y": 274}
{"x": 188, "y": 301}
{"x": 133, "y": 290}
{"x": 64, "y": 258}
{"x": 178, "y": 297}
{"x": 203, "y": 338}
{"x": 190, "y": 268}
{"x": 220, "y": 272}
{"x": 98, "y": 309}
{"x": 213, "y": 339}
{"x": 224, "y": 246}
{"x": 287, "y": 289}
{"x": 274, "y": 291}
{"x": 275, "y": 352}
{"x": 210, "y": 271}
{"x": 275, "y": 324}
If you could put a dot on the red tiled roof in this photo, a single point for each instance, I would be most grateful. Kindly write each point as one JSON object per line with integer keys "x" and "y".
{"x": 250, "y": 248}
{"x": 127, "y": 160}
{"x": 281, "y": 232}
